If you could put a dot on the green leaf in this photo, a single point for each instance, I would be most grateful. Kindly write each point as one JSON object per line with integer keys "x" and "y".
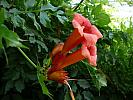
{"x": 5, "y": 4}
{"x": 12, "y": 39}
{"x": 87, "y": 95}
{"x": 29, "y": 3}
{"x": 42, "y": 45}
{"x": 44, "y": 19}
{"x": 8, "y": 86}
{"x": 62, "y": 19}
{"x": 83, "y": 83}
{"x": 60, "y": 12}
{"x": 49, "y": 7}
{"x": 2, "y": 16}
{"x": 78, "y": 97}
{"x": 32, "y": 16}
{"x": 41, "y": 79}
{"x": 14, "y": 11}
{"x": 67, "y": 96}
{"x": 102, "y": 19}
{"x": 19, "y": 85}
{"x": 96, "y": 10}
{"x": 18, "y": 21}
{"x": 101, "y": 79}
{"x": 1, "y": 45}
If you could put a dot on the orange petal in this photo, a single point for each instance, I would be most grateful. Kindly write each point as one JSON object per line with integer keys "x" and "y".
{"x": 58, "y": 76}
{"x": 93, "y": 50}
{"x": 72, "y": 58}
{"x": 85, "y": 51}
{"x": 93, "y": 60}
{"x": 73, "y": 40}
{"x": 82, "y": 20}
{"x": 58, "y": 48}
{"x": 95, "y": 31}
{"x": 90, "y": 39}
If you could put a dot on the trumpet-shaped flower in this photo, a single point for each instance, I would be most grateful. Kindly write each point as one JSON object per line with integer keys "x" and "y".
{"x": 85, "y": 34}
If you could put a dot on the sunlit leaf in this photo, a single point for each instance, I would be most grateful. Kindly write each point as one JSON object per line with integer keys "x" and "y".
{"x": 96, "y": 10}
{"x": 2, "y": 16}
{"x": 12, "y": 39}
{"x": 102, "y": 19}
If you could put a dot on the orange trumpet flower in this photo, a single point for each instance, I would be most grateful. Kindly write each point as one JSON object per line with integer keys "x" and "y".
{"x": 84, "y": 33}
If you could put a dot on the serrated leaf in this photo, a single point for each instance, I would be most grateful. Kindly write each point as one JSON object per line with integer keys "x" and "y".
{"x": 97, "y": 10}
{"x": 14, "y": 11}
{"x": 62, "y": 19}
{"x": 79, "y": 97}
{"x": 19, "y": 85}
{"x": 16, "y": 75}
{"x": 102, "y": 19}
{"x": 44, "y": 19}
{"x": 49, "y": 7}
{"x": 8, "y": 86}
{"x": 42, "y": 45}
{"x": 29, "y": 3}
{"x": 43, "y": 86}
{"x": 2, "y": 16}
{"x": 4, "y": 3}
{"x": 32, "y": 16}
{"x": 12, "y": 39}
{"x": 87, "y": 95}
{"x": 60, "y": 12}
{"x": 102, "y": 80}
{"x": 83, "y": 83}
{"x": 18, "y": 21}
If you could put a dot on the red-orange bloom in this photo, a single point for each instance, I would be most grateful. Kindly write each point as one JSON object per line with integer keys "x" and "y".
{"x": 85, "y": 34}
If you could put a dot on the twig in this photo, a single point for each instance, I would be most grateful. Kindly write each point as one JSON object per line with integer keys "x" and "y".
{"x": 78, "y": 5}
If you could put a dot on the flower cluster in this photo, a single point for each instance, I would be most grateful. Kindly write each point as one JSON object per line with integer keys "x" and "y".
{"x": 84, "y": 34}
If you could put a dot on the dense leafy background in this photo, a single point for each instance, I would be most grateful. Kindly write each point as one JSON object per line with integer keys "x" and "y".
{"x": 36, "y": 26}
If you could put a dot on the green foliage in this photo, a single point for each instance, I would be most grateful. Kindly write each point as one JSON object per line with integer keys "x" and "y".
{"x": 40, "y": 24}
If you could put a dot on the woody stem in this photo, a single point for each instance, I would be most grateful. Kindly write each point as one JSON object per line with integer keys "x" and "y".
{"x": 70, "y": 89}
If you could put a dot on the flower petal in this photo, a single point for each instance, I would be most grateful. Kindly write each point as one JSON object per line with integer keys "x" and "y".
{"x": 85, "y": 51}
{"x": 82, "y": 20}
{"x": 90, "y": 39}
{"x": 72, "y": 58}
{"x": 58, "y": 48}
{"x": 95, "y": 31}
{"x": 93, "y": 50}
{"x": 73, "y": 40}
{"x": 58, "y": 76}
{"x": 93, "y": 60}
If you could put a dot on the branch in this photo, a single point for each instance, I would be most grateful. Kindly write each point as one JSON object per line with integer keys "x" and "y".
{"x": 78, "y": 5}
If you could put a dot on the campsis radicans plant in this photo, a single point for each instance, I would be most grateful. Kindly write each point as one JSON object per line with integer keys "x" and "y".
{"x": 84, "y": 34}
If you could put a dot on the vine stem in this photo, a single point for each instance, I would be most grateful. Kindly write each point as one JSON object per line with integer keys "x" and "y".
{"x": 27, "y": 57}
{"x": 70, "y": 90}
